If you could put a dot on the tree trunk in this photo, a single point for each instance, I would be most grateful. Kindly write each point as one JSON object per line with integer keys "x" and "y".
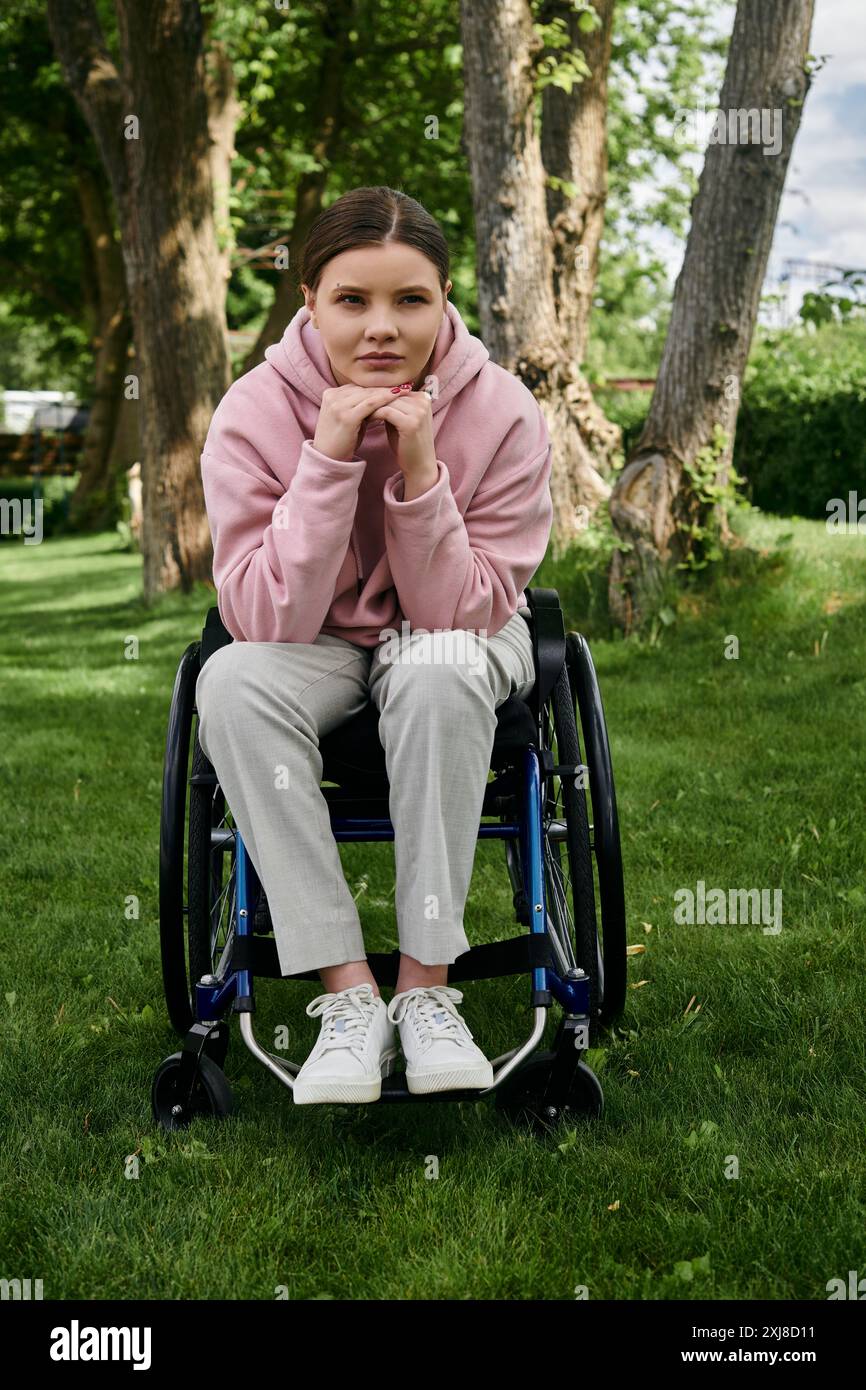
{"x": 574, "y": 150}
{"x": 655, "y": 504}
{"x": 93, "y": 504}
{"x": 153, "y": 128}
{"x": 533, "y": 310}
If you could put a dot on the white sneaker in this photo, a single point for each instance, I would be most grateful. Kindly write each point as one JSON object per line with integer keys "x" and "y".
{"x": 356, "y": 1048}
{"x": 436, "y": 1042}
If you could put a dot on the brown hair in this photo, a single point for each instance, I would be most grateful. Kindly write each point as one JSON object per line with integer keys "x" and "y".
{"x": 372, "y": 217}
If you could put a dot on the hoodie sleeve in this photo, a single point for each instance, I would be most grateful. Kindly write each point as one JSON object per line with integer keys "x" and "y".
{"x": 277, "y": 554}
{"x": 452, "y": 571}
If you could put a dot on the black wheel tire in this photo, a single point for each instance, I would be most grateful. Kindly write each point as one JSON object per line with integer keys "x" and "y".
{"x": 172, "y": 843}
{"x": 211, "y": 1097}
{"x": 521, "y": 1097}
{"x": 578, "y": 847}
{"x": 607, "y": 846}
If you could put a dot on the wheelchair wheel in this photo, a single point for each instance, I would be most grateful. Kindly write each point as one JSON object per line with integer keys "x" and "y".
{"x": 569, "y": 883}
{"x": 211, "y": 1093}
{"x": 172, "y": 843}
{"x": 523, "y": 1097}
{"x": 196, "y": 891}
{"x": 606, "y": 844}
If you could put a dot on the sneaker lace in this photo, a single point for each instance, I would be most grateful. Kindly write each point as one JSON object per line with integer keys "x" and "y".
{"x": 433, "y": 1014}
{"x": 346, "y": 1017}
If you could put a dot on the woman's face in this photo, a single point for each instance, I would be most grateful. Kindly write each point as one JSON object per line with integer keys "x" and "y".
{"x": 378, "y": 299}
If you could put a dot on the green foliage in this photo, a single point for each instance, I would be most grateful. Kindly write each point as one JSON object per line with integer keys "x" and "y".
{"x": 820, "y": 306}
{"x": 801, "y": 432}
{"x": 399, "y": 68}
{"x": 801, "y": 427}
{"x": 579, "y": 574}
{"x": 628, "y": 409}
{"x": 712, "y": 496}
{"x": 46, "y": 150}
{"x": 572, "y": 67}
{"x": 667, "y": 56}
{"x": 54, "y": 491}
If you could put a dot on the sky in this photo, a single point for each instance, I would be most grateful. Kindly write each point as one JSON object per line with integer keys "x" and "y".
{"x": 822, "y": 216}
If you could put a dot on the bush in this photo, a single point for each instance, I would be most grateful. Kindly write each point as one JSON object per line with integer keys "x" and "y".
{"x": 801, "y": 432}
{"x": 801, "y": 429}
{"x": 55, "y": 493}
{"x": 628, "y": 409}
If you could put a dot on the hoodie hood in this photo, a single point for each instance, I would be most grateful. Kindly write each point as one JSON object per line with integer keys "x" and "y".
{"x": 301, "y": 359}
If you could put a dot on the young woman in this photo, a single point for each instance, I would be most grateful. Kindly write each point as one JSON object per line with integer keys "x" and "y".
{"x": 378, "y": 495}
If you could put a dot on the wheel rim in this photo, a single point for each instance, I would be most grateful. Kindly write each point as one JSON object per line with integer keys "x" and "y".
{"x": 569, "y": 880}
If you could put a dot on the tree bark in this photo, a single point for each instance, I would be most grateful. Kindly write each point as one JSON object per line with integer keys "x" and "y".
{"x": 574, "y": 150}
{"x": 533, "y": 312}
{"x": 655, "y": 505}
{"x": 151, "y": 123}
{"x": 93, "y": 504}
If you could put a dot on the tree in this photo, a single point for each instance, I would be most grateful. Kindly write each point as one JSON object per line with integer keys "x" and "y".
{"x": 665, "y": 505}
{"x": 164, "y": 126}
{"x": 533, "y": 308}
{"x": 61, "y": 261}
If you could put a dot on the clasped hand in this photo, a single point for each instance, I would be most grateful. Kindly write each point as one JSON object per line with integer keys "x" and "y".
{"x": 409, "y": 426}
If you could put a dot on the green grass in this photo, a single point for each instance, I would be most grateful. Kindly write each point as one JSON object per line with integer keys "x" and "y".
{"x": 743, "y": 773}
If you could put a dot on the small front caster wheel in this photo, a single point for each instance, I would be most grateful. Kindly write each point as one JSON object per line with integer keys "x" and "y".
{"x": 211, "y": 1093}
{"x": 523, "y": 1099}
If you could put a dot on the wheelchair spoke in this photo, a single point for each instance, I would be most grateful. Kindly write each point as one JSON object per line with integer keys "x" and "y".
{"x": 558, "y": 884}
{"x": 559, "y": 923}
{"x": 223, "y": 907}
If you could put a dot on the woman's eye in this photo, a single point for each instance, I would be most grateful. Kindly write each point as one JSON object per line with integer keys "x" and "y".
{"x": 344, "y": 298}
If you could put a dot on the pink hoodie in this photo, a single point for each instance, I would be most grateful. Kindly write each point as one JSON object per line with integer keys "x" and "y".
{"x": 305, "y": 544}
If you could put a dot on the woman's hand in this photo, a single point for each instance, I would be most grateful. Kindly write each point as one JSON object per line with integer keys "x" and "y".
{"x": 343, "y": 418}
{"x": 409, "y": 425}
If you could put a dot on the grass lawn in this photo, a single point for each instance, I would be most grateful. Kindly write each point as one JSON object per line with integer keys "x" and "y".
{"x": 729, "y": 1162}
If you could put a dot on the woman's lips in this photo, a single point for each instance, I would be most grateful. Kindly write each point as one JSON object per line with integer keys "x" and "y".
{"x": 381, "y": 361}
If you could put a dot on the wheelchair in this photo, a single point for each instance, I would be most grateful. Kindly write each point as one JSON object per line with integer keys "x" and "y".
{"x": 216, "y": 935}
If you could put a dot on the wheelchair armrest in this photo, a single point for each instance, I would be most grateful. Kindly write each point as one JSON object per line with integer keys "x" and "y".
{"x": 548, "y": 643}
{"x": 214, "y": 635}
